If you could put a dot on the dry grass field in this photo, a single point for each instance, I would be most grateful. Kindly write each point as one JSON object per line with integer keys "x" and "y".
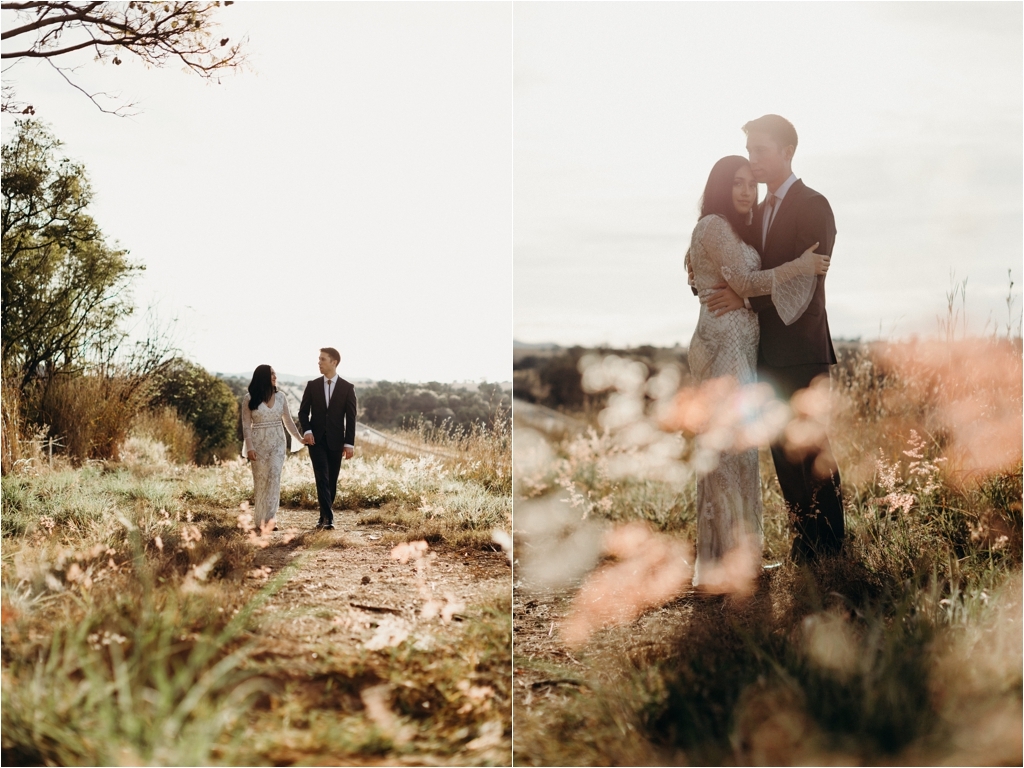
{"x": 145, "y": 622}
{"x": 905, "y": 649}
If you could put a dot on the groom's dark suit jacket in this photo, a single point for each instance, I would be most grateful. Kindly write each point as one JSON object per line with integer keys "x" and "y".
{"x": 803, "y": 219}
{"x": 334, "y": 425}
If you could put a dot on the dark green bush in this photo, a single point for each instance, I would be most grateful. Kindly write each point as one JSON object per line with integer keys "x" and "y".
{"x": 203, "y": 401}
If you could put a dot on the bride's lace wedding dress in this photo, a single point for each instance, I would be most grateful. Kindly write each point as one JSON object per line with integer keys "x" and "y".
{"x": 264, "y": 433}
{"x": 729, "y": 497}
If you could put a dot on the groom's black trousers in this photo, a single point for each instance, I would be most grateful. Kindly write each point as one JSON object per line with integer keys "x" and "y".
{"x": 326, "y": 466}
{"x": 814, "y": 496}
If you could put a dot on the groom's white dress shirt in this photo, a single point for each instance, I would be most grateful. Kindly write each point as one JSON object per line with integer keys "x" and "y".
{"x": 329, "y": 386}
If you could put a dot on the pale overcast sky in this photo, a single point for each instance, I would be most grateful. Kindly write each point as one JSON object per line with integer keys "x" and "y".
{"x": 910, "y": 122}
{"x": 356, "y": 188}
{"x": 353, "y": 190}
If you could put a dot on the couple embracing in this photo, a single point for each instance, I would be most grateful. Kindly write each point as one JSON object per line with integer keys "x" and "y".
{"x": 759, "y": 269}
{"x": 327, "y": 415}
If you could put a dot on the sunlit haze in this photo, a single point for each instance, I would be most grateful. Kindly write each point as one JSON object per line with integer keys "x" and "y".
{"x": 910, "y": 121}
{"x": 353, "y": 189}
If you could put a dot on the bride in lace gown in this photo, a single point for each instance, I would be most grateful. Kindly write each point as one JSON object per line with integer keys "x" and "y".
{"x": 729, "y": 497}
{"x": 263, "y": 426}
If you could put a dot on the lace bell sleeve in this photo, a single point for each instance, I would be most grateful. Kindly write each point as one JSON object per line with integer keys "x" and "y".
{"x": 246, "y": 425}
{"x": 790, "y": 285}
{"x": 689, "y": 270}
{"x": 289, "y": 422}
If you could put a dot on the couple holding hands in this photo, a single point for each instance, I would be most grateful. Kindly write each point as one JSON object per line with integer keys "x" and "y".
{"x": 327, "y": 416}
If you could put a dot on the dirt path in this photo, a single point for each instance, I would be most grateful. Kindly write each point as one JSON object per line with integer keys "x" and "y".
{"x": 545, "y": 665}
{"x": 544, "y": 669}
{"x": 325, "y": 636}
{"x": 354, "y": 591}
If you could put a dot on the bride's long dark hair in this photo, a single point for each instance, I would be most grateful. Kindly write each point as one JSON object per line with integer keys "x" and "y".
{"x": 717, "y": 198}
{"x": 260, "y": 388}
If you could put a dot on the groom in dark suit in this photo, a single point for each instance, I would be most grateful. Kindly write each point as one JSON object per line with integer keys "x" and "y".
{"x": 327, "y": 416}
{"x": 792, "y": 218}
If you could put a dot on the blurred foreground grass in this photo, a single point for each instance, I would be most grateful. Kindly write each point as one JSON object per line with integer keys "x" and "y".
{"x": 132, "y": 618}
{"x": 906, "y": 649}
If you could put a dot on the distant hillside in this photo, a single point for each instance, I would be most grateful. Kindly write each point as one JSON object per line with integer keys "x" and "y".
{"x": 522, "y": 351}
{"x": 397, "y": 404}
{"x": 474, "y": 386}
{"x": 535, "y": 346}
{"x": 549, "y": 375}
{"x": 287, "y": 378}
{"x": 300, "y": 381}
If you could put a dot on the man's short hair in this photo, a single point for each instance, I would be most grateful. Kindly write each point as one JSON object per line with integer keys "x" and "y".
{"x": 334, "y": 354}
{"x": 777, "y": 127}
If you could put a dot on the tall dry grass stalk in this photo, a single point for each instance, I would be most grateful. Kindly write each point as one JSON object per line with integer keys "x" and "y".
{"x": 167, "y": 428}
{"x": 89, "y": 415}
{"x": 966, "y": 396}
{"x": 484, "y": 451}
{"x": 10, "y": 411}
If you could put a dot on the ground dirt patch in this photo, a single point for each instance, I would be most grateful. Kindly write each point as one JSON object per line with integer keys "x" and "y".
{"x": 352, "y": 619}
{"x": 349, "y": 572}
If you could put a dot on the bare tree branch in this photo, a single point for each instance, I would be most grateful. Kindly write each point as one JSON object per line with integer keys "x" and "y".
{"x": 119, "y": 111}
{"x": 157, "y": 33}
{"x": 43, "y": 21}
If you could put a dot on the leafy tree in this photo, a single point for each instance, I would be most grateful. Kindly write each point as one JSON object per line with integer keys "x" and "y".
{"x": 204, "y": 401}
{"x": 157, "y": 33}
{"x": 376, "y": 408}
{"x": 64, "y": 288}
{"x": 236, "y": 384}
{"x": 398, "y": 404}
{"x": 561, "y": 378}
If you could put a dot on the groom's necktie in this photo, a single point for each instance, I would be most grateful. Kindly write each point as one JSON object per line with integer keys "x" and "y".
{"x": 771, "y": 207}
{"x": 329, "y": 382}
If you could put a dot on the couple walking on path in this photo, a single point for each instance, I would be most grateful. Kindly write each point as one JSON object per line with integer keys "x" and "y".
{"x": 327, "y": 415}
{"x": 759, "y": 270}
